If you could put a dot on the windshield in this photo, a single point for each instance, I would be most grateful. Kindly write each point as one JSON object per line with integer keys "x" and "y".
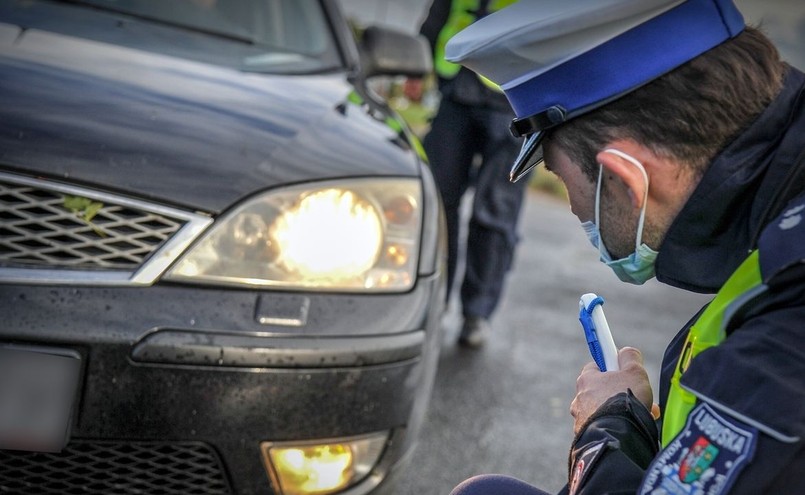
{"x": 263, "y": 35}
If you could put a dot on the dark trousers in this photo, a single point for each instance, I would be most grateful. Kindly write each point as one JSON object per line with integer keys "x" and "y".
{"x": 459, "y": 133}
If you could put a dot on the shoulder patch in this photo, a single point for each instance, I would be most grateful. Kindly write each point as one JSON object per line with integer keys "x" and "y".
{"x": 584, "y": 462}
{"x": 782, "y": 242}
{"x": 704, "y": 458}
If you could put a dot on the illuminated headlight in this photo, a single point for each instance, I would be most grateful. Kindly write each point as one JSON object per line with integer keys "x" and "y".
{"x": 360, "y": 235}
{"x": 320, "y": 468}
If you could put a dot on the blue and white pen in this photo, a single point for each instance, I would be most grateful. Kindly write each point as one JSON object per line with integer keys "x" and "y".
{"x": 596, "y": 330}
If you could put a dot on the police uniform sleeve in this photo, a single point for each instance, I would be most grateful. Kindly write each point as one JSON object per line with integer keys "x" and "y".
{"x": 746, "y": 432}
{"x": 749, "y": 420}
{"x": 612, "y": 451}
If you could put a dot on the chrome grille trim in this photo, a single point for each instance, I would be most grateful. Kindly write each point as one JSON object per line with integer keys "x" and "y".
{"x": 139, "y": 240}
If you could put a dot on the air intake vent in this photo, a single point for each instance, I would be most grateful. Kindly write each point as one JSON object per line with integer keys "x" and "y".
{"x": 105, "y": 468}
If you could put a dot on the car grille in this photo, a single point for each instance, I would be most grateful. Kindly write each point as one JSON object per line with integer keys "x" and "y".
{"x": 105, "y": 468}
{"x": 68, "y": 230}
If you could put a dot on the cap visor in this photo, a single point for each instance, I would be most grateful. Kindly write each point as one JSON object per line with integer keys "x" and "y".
{"x": 530, "y": 156}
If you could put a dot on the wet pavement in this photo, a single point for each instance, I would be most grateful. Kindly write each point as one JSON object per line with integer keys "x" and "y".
{"x": 504, "y": 408}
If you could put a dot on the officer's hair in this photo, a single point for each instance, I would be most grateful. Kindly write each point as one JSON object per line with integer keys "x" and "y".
{"x": 689, "y": 114}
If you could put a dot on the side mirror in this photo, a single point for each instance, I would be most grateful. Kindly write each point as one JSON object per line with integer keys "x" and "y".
{"x": 386, "y": 52}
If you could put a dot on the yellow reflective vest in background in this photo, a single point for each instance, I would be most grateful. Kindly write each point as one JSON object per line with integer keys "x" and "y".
{"x": 462, "y": 14}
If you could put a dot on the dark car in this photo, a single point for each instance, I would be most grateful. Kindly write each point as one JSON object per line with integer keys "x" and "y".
{"x": 221, "y": 255}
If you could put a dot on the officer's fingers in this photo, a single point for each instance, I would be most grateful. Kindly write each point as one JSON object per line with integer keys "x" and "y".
{"x": 655, "y": 410}
{"x": 588, "y": 372}
{"x": 574, "y": 406}
{"x": 574, "y": 411}
{"x": 591, "y": 366}
{"x": 578, "y": 413}
{"x": 629, "y": 356}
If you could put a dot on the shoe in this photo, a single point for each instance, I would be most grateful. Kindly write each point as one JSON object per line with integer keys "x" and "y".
{"x": 473, "y": 332}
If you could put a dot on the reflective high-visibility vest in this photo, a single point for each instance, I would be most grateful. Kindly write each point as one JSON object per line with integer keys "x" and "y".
{"x": 462, "y": 14}
{"x": 709, "y": 330}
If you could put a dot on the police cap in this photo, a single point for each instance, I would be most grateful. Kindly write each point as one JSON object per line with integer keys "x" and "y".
{"x": 558, "y": 59}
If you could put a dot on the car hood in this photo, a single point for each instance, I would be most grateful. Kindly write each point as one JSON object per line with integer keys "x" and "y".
{"x": 178, "y": 131}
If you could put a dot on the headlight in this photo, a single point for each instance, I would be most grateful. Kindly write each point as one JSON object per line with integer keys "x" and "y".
{"x": 318, "y": 468}
{"x": 357, "y": 235}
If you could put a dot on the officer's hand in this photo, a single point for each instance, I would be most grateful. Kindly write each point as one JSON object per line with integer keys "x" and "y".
{"x": 593, "y": 387}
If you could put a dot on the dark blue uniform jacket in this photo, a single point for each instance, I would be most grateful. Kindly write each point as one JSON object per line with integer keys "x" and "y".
{"x": 747, "y": 435}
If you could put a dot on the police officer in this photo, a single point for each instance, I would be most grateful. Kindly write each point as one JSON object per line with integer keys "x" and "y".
{"x": 680, "y": 135}
{"x": 472, "y": 123}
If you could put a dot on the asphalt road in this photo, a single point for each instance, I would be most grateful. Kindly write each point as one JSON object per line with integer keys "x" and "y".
{"x": 504, "y": 408}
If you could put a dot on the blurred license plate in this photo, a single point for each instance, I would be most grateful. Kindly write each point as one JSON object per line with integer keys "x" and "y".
{"x": 37, "y": 393}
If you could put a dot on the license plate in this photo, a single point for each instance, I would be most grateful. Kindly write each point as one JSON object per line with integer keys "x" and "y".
{"x": 38, "y": 389}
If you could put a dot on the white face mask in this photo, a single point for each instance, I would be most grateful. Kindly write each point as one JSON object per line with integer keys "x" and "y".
{"x": 638, "y": 267}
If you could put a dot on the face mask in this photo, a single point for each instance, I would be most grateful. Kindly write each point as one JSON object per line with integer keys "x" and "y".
{"x": 638, "y": 267}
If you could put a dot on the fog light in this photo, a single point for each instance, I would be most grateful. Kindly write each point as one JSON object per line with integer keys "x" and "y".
{"x": 314, "y": 468}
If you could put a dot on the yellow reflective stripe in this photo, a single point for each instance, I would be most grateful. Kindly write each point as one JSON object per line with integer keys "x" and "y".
{"x": 393, "y": 124}
{"x": 490, "y": 84}
{"x": 355, "y": 98}
{"x": 460, "y": 17}
{"x": 496, "y": 5}
{"x": 705, "y": 333}
{"x": 418, "y": 148}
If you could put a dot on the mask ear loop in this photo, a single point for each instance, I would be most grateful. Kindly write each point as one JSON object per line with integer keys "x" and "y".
{"x": 598, "y": 212}
{"x": 641, "y": 220}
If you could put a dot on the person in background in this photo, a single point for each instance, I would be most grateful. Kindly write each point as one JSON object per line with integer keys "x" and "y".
{"x": 467, "y": 144}
{"x": 680, "y": 136}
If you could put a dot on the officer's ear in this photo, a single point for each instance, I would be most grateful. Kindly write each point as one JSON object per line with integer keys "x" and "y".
{"x": 628, "y": 170}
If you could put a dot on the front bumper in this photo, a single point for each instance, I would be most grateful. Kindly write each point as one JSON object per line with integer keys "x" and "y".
{"x": 181, "y": 365}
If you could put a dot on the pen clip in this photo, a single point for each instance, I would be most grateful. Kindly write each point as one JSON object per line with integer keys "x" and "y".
{"x": 586, "y": 319}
